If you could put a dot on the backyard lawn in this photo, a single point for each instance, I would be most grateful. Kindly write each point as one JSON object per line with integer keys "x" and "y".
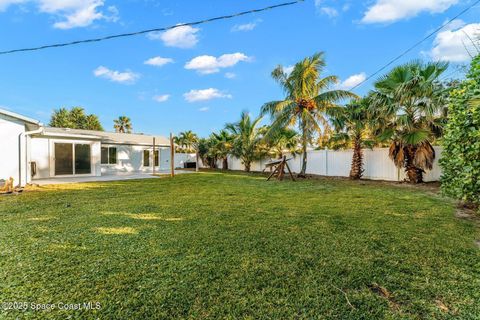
{"x": 215, "y": 245}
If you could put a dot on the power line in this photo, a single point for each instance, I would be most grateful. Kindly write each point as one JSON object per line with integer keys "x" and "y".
{"x": 416, "y": 44}
{"x": 130, "y": 34}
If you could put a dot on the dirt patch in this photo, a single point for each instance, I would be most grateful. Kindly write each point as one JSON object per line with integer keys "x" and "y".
{"x": 384, "y": 293}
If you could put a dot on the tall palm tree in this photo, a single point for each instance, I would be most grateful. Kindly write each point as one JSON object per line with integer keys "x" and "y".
{"x": 223, "y": 144}
{"x": 353, "y": 125}
{"x": 412, "y": 100}
{"x": 308, "y": 100}
{"x": 247, "y": 139}
{"x": 122, "y": 125}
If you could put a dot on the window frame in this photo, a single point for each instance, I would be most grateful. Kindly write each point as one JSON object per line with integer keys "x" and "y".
{"x": 109, "y": 157}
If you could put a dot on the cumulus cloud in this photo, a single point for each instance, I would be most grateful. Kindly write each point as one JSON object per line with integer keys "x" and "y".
{"x": 204, "y": 109}
{"x": 158, "y": 61}
{"x": 384, "y": 11}
{"x": 210, "y": 64}
{"x": 205, "y": 95}
{"x": 161, "y": 98}
{"x": 455, "y": 44}
{"x": 72, "y": 13}
{"x": 329, "y": 11}
{"x": 246, "y": 27}
{"x": 179, "y": 37}
{"x": 126, "y": 77}
{"x": 288, "y": 69}
{"x": 352, "y": 81}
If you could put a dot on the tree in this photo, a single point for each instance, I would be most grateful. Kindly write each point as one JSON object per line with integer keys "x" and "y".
{"x": 411, "y": 99}
{"x": 461, "y": 156}
{"x": 187, "y": 141}
{"x": 284, "y": 141}
{"x": 248, "y": 136}
{"x": 222, "y": 146}
{"x": 122, "y": 125}
{"x": 353, "y": 130}
{"x": 75, "y": 119}
{"x": 308, "y": 100}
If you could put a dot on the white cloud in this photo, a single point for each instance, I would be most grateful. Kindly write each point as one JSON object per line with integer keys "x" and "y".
{"x": 74, "y": 13}
{"x": 384, "y": 11}
{"x": 158, "y": 61}
{"x": 205, "y": 95}
{"x": 204, "y": 109}
{"x": 180, "y": 37}
{"x": 230, "y": 75}
{"x": 455, "y": 44}
{"x": 161, "y": 98}
{"x": 126, "y": 77}
{"x": 329, "y": 11}
{"x": 352, "y": 81}
{"x": 4, "y": 4}
{"x": 211, "y": 64}
{"x": 246, "y": 27}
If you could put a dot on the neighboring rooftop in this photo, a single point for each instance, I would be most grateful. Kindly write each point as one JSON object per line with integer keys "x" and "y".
{"x": 19, "y": 117}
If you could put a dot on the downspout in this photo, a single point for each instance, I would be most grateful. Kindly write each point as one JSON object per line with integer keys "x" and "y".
{"x": 22, "y": 139}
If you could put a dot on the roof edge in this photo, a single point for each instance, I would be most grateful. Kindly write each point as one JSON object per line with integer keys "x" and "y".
{"x": 20, "y": 117}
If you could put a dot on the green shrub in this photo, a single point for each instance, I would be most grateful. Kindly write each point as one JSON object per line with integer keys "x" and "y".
{"x": 461, "y": 156}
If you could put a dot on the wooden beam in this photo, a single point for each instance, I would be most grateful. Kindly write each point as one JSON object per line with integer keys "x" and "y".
{"x": 153, "y": 171}
{"x": 172, "y": 156}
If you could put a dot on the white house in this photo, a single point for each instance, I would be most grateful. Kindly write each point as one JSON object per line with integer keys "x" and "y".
{"x": 30, "y": 151}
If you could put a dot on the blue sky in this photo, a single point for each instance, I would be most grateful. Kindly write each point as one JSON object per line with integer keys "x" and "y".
{"x": 201, "y": 78}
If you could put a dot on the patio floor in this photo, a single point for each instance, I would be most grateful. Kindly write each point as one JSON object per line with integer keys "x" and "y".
{"x": 106, "y": 177}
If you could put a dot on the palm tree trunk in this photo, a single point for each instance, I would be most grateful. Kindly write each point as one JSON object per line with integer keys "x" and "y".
{"x": 304, "y": 151}
{"x": 225, "y": 163}
{"x": 356, "y": 171}
{"x": 247, "y": 166}
{"x": 414, "y": 174}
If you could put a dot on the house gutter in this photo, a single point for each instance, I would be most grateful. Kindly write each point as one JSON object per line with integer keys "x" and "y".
{"x": 23, "y": 139}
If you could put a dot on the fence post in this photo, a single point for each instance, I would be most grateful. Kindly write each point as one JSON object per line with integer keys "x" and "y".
{"x": 326, "y": 161}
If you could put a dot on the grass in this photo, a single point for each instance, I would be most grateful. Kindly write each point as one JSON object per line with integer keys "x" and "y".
{"x": 234, "y": 246}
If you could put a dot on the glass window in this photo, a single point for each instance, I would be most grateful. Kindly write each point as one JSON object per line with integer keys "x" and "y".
{"x": 104, "y": 155}
{"x": 157, "y": 158}
{"x": 146, "y": 158}
{"x": 112, "y": 155}
{"x": 82, "y": 159}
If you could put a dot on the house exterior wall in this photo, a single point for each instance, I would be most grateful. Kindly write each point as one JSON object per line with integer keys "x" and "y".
{"x": 41, "y": 152}
{"x": 10, "y": 130}
{"x": 130, "y": 159}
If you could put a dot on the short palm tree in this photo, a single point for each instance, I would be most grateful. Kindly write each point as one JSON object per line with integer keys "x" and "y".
{"x": 353, "y": 125}
{"x": 122, "y": 125}
{"x": 188, "y": 141}
{"x": 223, "y": 144}
{"x": 308, "y": 100}
{"x": 247, "y": 139}
{"x": 411, "y": 99}
{"x": 284, "y": 141}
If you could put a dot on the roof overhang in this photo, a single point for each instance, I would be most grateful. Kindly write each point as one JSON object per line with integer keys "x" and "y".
{"x": 20, "y": 117}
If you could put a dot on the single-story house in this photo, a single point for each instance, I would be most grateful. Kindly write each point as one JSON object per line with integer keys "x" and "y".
{"x": 29, "y": 151}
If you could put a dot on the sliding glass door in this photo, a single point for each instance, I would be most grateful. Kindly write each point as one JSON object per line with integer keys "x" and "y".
{"x": 71, "y": 159}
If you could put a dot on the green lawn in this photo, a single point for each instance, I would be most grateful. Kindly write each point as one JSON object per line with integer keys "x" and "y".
{"x": 235, "y": 246}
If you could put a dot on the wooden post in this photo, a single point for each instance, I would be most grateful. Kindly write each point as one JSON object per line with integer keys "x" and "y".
{"x": 153, "y": 171}
{"x": 172, "y": 156}
{"x": 197, "y": 160}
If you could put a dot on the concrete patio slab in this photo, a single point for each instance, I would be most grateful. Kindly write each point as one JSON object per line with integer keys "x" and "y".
{"x": 109, "y": 177}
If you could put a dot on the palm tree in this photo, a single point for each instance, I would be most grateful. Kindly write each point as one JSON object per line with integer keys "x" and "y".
{"x": 308, "y": 100}
{"x": 223, "y": 144}
{"x": 285, "y": 141}
{"x": 188, "y": 141}
{"x": 412, "y": 100}
{"x": 247, "y": 139}
{"x": 122, "y": 125}
{"x": 353, "y": 130}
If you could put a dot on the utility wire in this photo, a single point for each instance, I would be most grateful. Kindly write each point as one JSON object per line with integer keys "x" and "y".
{"x": 130, "y": 34}
{"x": 417, "y": 44}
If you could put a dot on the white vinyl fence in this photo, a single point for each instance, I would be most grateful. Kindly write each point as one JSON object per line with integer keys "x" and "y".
{"x": 377, "y": 164}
